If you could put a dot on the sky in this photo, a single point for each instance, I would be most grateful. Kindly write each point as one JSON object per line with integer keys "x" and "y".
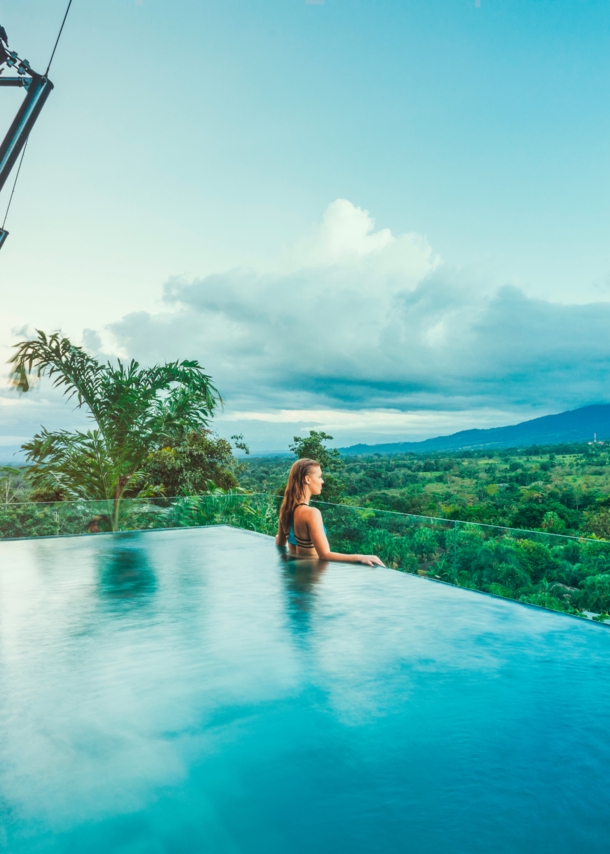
{"x": 388, "y": 220}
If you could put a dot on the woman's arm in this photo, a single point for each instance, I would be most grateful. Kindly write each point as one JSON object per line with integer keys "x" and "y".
{"x": 320, "y": 541}
{"x": 282, "y": 537}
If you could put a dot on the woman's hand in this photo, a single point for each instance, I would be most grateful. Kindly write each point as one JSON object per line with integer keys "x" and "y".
{"x": 370, "y": 560}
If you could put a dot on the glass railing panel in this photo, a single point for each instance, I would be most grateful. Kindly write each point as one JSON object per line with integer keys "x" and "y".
{"x": 251, "y": 512}
{"x": 38, "y": 519}
{"x": 561, "y": 573}
{"x": 416, "y": 544}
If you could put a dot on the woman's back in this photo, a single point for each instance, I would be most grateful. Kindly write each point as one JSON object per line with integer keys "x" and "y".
{"x": 299, "y": 529}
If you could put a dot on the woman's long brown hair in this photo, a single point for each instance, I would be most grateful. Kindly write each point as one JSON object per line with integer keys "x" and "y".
{"x": 295, "y": 490}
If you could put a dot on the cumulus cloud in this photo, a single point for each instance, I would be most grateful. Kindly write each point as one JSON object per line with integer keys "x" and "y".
{"x": 346, "y": 236}
{"x": 354, "y": 317}
{"x": 367, "y": 334}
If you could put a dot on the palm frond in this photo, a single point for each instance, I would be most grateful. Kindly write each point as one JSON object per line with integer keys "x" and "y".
{"x": 66, "y": 364}
{"x": 136, "y": 410}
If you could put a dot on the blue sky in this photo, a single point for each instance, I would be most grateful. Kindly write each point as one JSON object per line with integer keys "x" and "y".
{"x": 388, "y": 219}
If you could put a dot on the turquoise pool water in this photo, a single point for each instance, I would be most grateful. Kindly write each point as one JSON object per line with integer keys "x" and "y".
{"x": 190, "y": 691}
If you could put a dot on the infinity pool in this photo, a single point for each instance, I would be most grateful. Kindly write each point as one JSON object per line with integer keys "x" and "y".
{"x": 190, "y": 691}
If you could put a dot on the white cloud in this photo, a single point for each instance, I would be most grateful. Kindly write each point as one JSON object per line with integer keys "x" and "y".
{"x": 358, "y": 319}
{"x": 364, "y": 333}
{"x": 270, "y": 430}
{"x": 379, "y": 421}
{"x": 328, "y": 315}
{"x": 346, "y": 236}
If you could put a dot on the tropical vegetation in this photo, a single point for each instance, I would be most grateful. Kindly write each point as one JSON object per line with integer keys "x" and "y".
{"x": 529, "y": 524}
{"x": 561, "y": 489}
{"x": 135, "y": 412}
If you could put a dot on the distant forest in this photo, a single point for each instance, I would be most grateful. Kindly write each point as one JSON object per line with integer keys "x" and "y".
{"x": 560, "y": 489}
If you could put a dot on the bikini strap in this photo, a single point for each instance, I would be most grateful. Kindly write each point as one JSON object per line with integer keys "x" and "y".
{"x": 301, "y": 504}
{"x": 305, "y": 544}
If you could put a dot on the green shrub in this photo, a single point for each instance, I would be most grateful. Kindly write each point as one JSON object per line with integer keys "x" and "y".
{"x": 594, "y": 594}
{"x": 536, "y": 558}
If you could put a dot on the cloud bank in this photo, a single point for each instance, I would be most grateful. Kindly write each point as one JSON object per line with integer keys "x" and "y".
{"x": 369, "y": 336}
{"x": 354, "y": 318}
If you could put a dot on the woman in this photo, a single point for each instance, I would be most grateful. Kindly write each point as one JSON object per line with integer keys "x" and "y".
{"x": 301, "y": 526}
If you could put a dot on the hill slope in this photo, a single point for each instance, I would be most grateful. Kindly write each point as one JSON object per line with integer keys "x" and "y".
{"x": 577, "y": 425}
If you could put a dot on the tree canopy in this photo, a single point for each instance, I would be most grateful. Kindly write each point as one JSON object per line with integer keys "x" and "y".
{"x": 134, "y": 410}
{"x": 190, "y": 465}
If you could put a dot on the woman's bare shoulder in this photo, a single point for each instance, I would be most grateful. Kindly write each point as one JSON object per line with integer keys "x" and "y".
{"x": 307, "y": 511}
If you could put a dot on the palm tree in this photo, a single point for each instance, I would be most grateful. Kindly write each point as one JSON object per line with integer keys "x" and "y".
{"x": 134, "y": 410}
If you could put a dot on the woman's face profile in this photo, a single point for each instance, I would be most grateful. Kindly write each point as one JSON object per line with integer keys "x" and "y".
{"x": 315, "y": 481}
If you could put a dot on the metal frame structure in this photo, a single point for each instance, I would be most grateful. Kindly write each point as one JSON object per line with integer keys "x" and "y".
{"x": 38, "y": 88}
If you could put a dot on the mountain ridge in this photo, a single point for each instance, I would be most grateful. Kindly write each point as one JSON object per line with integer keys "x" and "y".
{"x": 574, "y": 425}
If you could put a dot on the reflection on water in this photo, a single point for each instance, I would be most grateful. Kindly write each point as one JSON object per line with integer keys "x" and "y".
{"x": 300, "y": 577}
{"x": 278, "y": 705}
{"x": 126, "y": 573}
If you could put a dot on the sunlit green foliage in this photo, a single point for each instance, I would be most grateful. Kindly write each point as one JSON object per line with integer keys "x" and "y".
{"x": 134, "y": 411}
{"x": 561, "y": 489}
{"x": 189, "y": 464}
{"x": 13, "y": 485}
{"x": 217, "y": 507}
